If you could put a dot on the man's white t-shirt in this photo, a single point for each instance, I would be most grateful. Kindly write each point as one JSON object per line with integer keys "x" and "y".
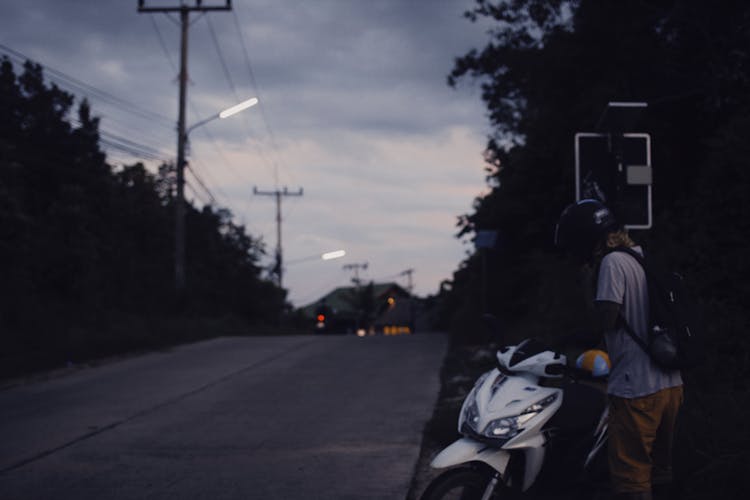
{"x": 622, "y": 280}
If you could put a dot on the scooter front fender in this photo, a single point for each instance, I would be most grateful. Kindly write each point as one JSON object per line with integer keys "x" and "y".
{"x": 467, "y": 450}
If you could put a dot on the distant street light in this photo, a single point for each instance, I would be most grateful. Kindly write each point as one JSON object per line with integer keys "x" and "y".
{"x": 333, "y": 255}
{"x": 182, "y": 139}
{"x": 336, "y": 254}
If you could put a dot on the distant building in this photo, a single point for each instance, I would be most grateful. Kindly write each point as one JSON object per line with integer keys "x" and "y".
{"x": 384, "y": 308}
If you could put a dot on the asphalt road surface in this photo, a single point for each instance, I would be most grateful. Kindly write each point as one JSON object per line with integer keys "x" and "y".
{"x": 238, "y": 418}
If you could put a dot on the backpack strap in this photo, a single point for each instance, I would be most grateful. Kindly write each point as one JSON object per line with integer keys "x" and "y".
{"x": 638, "y": 257}
{"x": 629, "y": 329}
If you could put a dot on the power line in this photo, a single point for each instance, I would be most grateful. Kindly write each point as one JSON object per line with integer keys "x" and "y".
{"x": 90, "y": 89}
{"x": 409, "y": 274}
{"x": 131, "y": 149}
{"x": 227, "y": 75}
{"x": 128, "y": 149}
{"x": 141, "y": 147}
{"x": 278, "y": 194}
{"x": 126, "y": 145}
{"x": 107, "y": 138}
{"x": 163, "y": 43}
{"x": 218, "y": 150}
{"x": 205, "y": 131}
{"x": 223, "y": 62}
{"x": 190, "y": 101}
{"x": 202, "y": 184}
{"x": 221, "y": 195}
{"x": 196, "y": 193}
{"x": 107, "y": 131}
{"x": 117, "y": 142}
{"x": 233, "y": 87}
{"x": 184, "y": 10}
{"x": 255, "y": 85}
{"x": 206, "y": 172}
{"x": 356, "y": 267}
{"x": 154, "y": 137}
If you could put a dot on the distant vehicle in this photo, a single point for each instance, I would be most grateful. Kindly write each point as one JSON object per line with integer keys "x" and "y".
{"x": 323, "y": 319}
{"x": 327, "y": 321}
{"x": 322, "y": 324}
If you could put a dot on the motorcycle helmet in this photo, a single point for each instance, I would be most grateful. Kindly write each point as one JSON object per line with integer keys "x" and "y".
{"x": 581, "y": 226}
{"x": 595, "y": 362}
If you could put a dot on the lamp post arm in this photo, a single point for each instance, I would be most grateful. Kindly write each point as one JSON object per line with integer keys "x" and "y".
{"x": 225, "y": 114}
{"x": 202, "y": 122}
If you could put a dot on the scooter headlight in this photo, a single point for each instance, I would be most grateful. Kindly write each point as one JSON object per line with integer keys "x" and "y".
{"x": 507, "y": 428}
{"x": 471, "y": 415}
{"x": 470, "y": 410}
{"x": 503, "y": 428}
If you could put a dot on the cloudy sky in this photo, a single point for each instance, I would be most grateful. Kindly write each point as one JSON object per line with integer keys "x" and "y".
{"x": 354, "y": 109}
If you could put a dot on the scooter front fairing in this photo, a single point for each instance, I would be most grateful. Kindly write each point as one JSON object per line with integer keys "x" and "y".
{"x": 467, "y": 450}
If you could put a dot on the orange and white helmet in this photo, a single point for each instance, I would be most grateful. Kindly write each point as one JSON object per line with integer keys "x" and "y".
{"x": 595, "y": 362}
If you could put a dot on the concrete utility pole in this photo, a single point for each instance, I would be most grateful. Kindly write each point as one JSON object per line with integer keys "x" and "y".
{"x": 184, "y": 10}
{"x": 278, "y": 268}
{"x": 356, "y": 268}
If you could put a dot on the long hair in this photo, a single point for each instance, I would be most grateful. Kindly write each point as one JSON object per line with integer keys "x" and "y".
{"x": 619, "y": 238}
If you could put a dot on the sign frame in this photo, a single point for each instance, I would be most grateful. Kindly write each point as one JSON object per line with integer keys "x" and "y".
{"x": 634, "y": 135}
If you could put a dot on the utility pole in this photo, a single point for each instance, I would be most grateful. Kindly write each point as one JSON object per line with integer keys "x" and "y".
{"x": 412, "y": 313}
{"x": 356, "y": 268}
{"x": 278, "y": 268}
{"x": 184, "y": 10}
{"x": 409, "y": 273}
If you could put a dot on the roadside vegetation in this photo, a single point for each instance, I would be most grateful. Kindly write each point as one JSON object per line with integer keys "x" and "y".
{"x": 548, "y": 70}
{"x": 86, "y": 248}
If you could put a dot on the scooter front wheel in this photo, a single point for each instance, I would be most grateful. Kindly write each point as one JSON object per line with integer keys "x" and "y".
{"x": 463, "y": 483}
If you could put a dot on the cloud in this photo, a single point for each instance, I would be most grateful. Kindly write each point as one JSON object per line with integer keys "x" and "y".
{"x": 354, "y": 109}
{"x": 397, "y": 209}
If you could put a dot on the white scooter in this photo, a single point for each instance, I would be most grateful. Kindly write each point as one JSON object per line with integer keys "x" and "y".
{"x": 529, "y": 427}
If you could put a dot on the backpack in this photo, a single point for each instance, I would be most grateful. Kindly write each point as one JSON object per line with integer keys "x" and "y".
{"x": 675, "y": 338}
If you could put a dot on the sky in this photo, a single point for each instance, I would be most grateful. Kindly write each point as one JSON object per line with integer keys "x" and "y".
{"x": 354, "y": 109}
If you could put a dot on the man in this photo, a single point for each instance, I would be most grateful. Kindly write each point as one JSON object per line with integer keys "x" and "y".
{"x": 644, "y": 399}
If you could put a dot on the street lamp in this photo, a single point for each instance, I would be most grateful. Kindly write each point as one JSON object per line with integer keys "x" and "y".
{"x": 336, "y": 254}
{"x": 225, "y": 114}
{"x": 182, "y": 139}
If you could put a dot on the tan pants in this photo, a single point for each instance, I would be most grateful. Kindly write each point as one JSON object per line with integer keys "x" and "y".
{"x": 641, "y": 431}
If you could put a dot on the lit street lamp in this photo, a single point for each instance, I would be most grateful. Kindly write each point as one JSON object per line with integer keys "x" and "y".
{"x": 182, "y": 139}
{"x": 336, "y": 254}
{"x": 225, "y": 114}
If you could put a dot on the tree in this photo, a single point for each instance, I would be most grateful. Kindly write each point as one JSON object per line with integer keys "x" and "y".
{"x": 548, "y": 70}
{"x": 83, "y": 245}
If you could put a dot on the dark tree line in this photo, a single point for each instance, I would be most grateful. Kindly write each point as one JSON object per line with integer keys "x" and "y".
{"x": 547, "y": 71}
{"x": 85, "y": 247}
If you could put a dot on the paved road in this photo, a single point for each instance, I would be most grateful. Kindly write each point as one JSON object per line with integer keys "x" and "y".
{"x": 236, "y": 418}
